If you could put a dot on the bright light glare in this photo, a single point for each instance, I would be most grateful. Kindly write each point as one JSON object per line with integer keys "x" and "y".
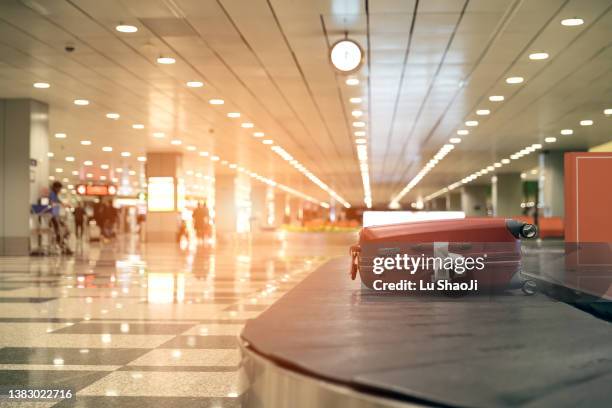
{"x": 126, "y": 28}
{"x": 572, "y": 22}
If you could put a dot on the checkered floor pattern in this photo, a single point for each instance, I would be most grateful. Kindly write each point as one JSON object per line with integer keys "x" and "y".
{"x": 127, "y": 324}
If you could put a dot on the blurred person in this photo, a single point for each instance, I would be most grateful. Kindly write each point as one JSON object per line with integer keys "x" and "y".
{"x": 56, "y": 222}
{"x": 200, "y": 218}
{"x": 79, "y": 221}
{"x": 108, "y": 218}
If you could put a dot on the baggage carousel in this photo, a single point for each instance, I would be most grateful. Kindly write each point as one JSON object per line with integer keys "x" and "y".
{"x": 330, "y": 343}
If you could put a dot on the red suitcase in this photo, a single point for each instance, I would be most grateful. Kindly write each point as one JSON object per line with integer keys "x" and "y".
{"x": 493, "y": 244}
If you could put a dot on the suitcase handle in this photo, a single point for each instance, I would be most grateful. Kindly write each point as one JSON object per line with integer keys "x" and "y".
{"x": 355, "y": 250}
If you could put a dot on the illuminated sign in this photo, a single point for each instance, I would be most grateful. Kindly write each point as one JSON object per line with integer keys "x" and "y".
{"x": 160, "y": 193}
{"x": 96, "y": 190}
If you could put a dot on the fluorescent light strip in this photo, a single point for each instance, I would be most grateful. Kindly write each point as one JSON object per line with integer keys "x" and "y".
{"x": 485, "y": 170}
{"x": 266, "y": 180}
{"x": 444, "y": 150}
{"x": 301, "y": 168}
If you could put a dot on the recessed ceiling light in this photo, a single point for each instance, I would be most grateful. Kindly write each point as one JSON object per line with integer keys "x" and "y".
{"x": 165, "y": 60}
{"x": 267, "y": 141}
{"x": 352, "y": 81}
{"x": 126, "y": 28}
{"x": 81, "y": 102}
{"x": 195, "y": 84}
{"x": 455, "y": 140}
{"x": 176, "y": 142}
{"x": 203, "y": 154}
{"x": 586, "y": 122}
{"x": 360, "y": 133}
{"x": 216, "y": 101}
{"x": 355, "y": 100}
{"x": 89, "y": 175}
{"x": 538, "y": 56}
{"x": 60, "y": 135}
{"x": 463, "y": 132}
{"x": 496, "y": 98}
{"x": 69, "y": 158}
{"x": 86, "y": 142}
{"x": 214, "y": 158}
{"x": 498, "y": 164}
{"x": 505, "y": 161}
{"x": 113, "y": 115}
{"x": 247, "y": 125}
{"x": 88, "y": 163}
{"x": 359, "y": 124}
{"x": 126, "y": 154}
{"x": 59, "y": 170}
{"x": 41, "y": 85}
{"x": 102, "y": 178}
{"x": 572, "y": 22}
{"x": 233, "y": 115}
{"x": 357, "y": 113}
{"x": 119, "y": 170}
{"x": 514, "y": 80}
{"x": 259, "y": 134}
{"x": 75, "y": 172}
{"x": 361, "y": 141}
{"x": 607, "y": 111}
{"x": 132, "y": 172}
{"x": 104, "y": 166}
{"x": 550, "y": 139}
{"x": 483, "y": 112}
{"x": 107, "y": 149}
{"x": 471, "y": 123}
{"x": 142, "y": 158}
{"x": 159, "y": 135}
{"x": 137, "y": 126}
{"x": 567, "y": 132}
{"x": 192, "y": 148}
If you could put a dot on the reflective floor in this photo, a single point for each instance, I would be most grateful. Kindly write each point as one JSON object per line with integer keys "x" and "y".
{"x": 146, "y": 324}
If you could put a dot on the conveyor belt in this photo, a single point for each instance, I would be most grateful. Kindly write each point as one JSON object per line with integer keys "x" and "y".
{"x": 503, "y": 350}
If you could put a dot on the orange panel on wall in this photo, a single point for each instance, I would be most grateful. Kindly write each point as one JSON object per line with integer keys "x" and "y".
{"x": 588, "y": 197}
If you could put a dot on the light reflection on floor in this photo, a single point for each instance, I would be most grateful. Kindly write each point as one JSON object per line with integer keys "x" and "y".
{"x": 149, "y": 325}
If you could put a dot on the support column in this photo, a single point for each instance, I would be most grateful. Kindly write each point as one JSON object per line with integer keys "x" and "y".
{"x": 507, "y": 194}
{"x": 24, "y": 169}
{"x": 279, "y": 207}
{"x": 551, "y": 185}
{"x": 165, "y": 196}
{"x": 453, "y": 202}
{"x": 259, "y": 214}
{"x": 233, "y": 206}
{"x": 438, "y": 204}
{"x": 474, "y": 200}
{"x": 295, "y": 210}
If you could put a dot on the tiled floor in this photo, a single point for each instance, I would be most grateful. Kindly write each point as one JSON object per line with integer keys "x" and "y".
{"x": 128, "y": 324}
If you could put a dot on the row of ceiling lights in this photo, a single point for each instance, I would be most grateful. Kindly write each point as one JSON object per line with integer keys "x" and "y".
{"x": 488, "y": 169}
{"x": 511, "y": 80}
{"x": 361, "y": 144}
{"x": 167, "y": 60}
{"x": 521, "y": 153}
{"x": 240, "y": 169}
{"x": 215, "y": 101}
{"x": 214, "y": 158}
{"x": 176, "y": 142}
